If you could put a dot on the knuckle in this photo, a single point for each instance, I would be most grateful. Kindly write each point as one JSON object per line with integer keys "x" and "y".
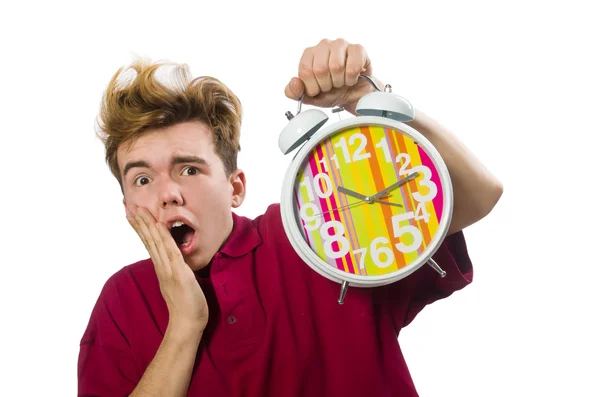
{"x": 305, "y": 73}
{"x": 170, "y": 255}
{"x": 356, "y": 47}
{"x": 352, "y": 74}
{"x": 352, "y": 71}
{"x": 307, "y": 53}
{"x": 312, "y": 91}
{"x": 325, "y": 42}
{"x": 336, "y": 66}
{"x": 340, "y": 42}
{"x": 321, "y": 71}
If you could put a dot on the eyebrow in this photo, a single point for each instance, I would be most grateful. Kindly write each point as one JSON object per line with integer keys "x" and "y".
{"x": 175, "y": 160}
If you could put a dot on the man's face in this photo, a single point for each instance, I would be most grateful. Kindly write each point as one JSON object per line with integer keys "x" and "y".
{"x": 176, "y": 174}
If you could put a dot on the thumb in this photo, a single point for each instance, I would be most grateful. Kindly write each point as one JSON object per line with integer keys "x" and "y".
{"x": 294, "y": 89}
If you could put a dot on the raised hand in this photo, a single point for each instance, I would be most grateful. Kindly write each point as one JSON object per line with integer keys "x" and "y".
{"x": 188, "y": 310}
{"x": 328, "y": 75}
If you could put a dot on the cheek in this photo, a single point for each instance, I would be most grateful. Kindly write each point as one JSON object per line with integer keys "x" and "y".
{"x": 214, "y": 198}
{"x": 142, "y": 199}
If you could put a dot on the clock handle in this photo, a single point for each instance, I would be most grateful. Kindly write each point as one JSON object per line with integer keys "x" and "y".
{"x": 388, "y": 88}
{"x": 436, "y": 267}
{"x": 289, "y": 114}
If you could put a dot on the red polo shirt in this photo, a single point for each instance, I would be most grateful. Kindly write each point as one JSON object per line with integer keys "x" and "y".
{"x": 275, "y": 326}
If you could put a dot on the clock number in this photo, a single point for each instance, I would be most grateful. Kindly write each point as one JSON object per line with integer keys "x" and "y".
{"x": 421, "y": 213}
{"x": 400, "y": 231}
{"x": 386, "y": 149}
{"x": 332, "y": 158}
{"x": 359, "y": 154}
{"x": 424, "y": 181}
{"x": 344, "y": 146}
{"x": 335, "y": 160}
{"x": 317, "y": 186}
{"x": 404, "y": 165}
{"x": 311, "y": 221}
{"x": 324, "y": 164}
{"x": 361, "y": 148}
{"x": 338, "y": 235}
{"x": 361, "y": 261}
{"x": 377, "y": 252}
{"x": 328, "y": 185}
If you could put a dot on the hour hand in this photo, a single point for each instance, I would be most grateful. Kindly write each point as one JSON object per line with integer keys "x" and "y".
{"x": 352, "y": 193}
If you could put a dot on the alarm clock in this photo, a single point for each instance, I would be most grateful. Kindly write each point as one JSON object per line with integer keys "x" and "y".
{"x": 366, "y": 200}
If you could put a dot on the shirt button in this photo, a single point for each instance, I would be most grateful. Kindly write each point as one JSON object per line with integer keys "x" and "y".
{"x": 231, "y": 319}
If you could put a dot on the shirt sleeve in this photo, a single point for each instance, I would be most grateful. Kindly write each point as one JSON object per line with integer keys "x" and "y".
{"x": 105, "y": 365}
{"x": 410, "y": 295}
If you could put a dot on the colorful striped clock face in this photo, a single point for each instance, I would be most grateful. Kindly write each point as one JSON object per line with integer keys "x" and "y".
{"x": 342, "y": 222}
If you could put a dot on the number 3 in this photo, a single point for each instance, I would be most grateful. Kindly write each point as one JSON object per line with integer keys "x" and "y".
{"x": 425, "y": 181}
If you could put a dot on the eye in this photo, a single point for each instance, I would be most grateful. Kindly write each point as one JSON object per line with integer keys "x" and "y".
{"x": 141, "y": 180}
{"x": 191, "y": 171}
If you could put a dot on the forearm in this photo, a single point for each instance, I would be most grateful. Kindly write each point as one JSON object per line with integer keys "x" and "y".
{"x": 476, "y": 190}
{"x": 170, "y": 371}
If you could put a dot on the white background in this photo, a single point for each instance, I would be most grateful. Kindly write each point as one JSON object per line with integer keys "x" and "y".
{"x": 517, "y": 81}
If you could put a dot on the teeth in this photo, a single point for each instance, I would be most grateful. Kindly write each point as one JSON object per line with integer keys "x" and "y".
{"x": 177, "y": 224}
{"x": 185, "y": 244}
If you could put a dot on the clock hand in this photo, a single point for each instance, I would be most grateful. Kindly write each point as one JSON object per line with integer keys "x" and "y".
{"x": 387, "y": 203}
{"x": 358, "y": 202}
{"x": 339, "y": 208}
{"x": 395, "y": 185}
{"x": 352, "y": 193}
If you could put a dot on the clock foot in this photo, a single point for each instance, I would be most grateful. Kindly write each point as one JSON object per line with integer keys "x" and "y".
{"x": 343, "y": 291}
{"x": 436, "y": 267}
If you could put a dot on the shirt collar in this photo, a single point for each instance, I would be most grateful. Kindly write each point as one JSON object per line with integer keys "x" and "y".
{"x": 243, "y": 238}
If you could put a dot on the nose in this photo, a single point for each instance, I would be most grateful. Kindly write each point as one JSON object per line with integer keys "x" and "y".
{"x": 170, "y": 195}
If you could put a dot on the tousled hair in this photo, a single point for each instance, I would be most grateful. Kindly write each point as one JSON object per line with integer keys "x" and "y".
{"x": 137, "y": 100}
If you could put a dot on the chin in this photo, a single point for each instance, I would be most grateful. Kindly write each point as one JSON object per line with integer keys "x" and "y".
{"x": 196, "y": 261}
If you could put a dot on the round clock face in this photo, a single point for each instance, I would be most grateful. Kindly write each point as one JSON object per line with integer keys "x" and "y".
{"x": 369, "y": 200}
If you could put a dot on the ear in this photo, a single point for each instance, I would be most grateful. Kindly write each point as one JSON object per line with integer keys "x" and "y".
{"x": 238, "y": 185}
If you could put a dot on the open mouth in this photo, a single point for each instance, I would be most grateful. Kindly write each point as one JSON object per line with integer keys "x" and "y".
{"x": 182, "y": 233}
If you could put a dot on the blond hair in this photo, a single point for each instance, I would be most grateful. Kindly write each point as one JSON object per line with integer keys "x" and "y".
{"x": 142, "y": 102}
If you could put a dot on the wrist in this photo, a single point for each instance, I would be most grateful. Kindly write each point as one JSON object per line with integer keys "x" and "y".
{"x": 184, "y": 332}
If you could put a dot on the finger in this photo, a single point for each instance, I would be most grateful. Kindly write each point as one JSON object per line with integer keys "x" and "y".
{"x": 306, "y": 74}
{"x": 321, "y": 68}
{"x": 294, "y": 89}
{"x": 171, "y": 251}
{"x": 135, "y": 222}
{"x": 337, "y": 63}
{"x": 161, "y": 243}
{"x": 356, "y": 61}
{"x": 144, "y": 225}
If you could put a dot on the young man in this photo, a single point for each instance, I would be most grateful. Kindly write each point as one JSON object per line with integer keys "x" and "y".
{"x": 224, "y": 306}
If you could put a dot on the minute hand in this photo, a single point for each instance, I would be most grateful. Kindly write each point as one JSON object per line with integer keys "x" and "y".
{"x": 395, "y": 185}
{"x": 352, "y": 193}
